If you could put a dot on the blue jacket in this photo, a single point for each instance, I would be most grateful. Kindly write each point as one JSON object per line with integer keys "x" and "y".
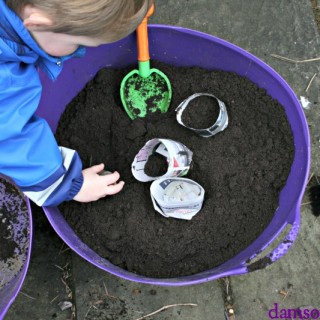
{"x": 29, "y": 153}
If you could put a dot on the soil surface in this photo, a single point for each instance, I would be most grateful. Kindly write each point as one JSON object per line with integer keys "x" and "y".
{"x": 201, "y": 113}
{"x": 242, "y": 170}
{"x": 14, "y": 231}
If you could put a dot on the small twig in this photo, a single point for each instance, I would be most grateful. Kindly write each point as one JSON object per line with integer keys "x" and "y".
{"x": 54, "y": 298}
{"x": 311, "y": 176}
{"x": 308, "y": 86}
{"x": 293, "y": 60}
{"x": 85, "y": 317}
{"x": 27, "y": 295}
{"x": 67, "y": 288}
{"x": 107, "y": 293}
{"x": 65, "y": 250}
{"x": 91, "y": 306}
{"x": 58, "y": 267}
{"x": 305, "y": 203}
{"x": 167, "y": 307}
{"x": 105, "y": 288}
{"x": 226, "y": 280}
{"x": 61, "y": 248}
{"x": 284, "y": 294}
{"x": 64, "y": 282}
{"x": 73, "y": 313}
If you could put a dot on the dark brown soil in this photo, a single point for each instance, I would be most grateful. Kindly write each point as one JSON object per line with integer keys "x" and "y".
{"x": 156, "y": 166}
{"x": 10, "y": 201}
{"x": 242, "y": 170}
{"x": 13, "y": 231}
{"x": 201, "y": 113}
{"x": 8, "y": 246}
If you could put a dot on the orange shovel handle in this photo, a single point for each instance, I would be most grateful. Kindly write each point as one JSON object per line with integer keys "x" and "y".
{"x": 142, "y": 37}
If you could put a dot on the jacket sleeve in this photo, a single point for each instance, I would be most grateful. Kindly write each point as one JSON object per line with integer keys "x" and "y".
{"x": 29, "y": 153}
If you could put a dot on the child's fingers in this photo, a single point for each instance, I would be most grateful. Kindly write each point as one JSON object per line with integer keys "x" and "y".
{"x": 97, "y": 168}
{"x": 115, "y": 188}
{"x": 111, "y": 178}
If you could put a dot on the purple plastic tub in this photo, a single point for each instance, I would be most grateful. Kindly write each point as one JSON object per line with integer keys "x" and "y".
{"x": 18, "y": 207}
{"x": 184, "y": 47}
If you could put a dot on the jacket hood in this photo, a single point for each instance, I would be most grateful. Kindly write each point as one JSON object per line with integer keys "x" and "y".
{"x": 17, "y": 45}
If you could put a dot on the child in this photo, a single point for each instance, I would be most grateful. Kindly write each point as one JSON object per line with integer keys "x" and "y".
{"x": 43, "y": 34}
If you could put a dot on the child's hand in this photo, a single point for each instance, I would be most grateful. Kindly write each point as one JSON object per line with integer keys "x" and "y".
{"x": 96, "y": 186}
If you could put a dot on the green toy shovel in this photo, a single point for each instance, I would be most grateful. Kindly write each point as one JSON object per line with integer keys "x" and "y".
{"x": 145, "y": 90}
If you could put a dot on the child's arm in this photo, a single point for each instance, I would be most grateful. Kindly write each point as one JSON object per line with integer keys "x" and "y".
{"x": 29, "y": 154}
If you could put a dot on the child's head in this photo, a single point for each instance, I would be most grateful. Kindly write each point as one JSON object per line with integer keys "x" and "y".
{"x": 108, "y": 20}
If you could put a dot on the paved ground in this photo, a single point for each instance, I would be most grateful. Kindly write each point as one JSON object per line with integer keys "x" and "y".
{"x": 284, "y": 27}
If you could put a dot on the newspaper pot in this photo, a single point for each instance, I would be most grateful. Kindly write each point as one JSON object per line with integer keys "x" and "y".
{"x": 10, "y": 290}
{"x": 206, "y": 51}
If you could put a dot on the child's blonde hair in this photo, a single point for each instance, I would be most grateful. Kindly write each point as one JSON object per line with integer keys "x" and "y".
{"x": 109, "y": 20}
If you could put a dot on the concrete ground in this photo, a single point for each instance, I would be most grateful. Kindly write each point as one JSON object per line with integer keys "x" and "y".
{"x": 283, "y": 27}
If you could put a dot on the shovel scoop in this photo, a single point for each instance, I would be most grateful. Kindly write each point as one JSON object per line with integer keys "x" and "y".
{"x": 145, "y": 90}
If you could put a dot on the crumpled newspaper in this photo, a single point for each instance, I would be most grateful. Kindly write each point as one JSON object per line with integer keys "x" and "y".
{"x": 179, "y": 158}
{"x": 179, "y": 198}
{"x": 218, "y": 125}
